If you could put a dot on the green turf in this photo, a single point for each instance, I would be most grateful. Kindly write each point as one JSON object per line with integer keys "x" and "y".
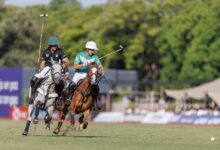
{"x": 111, "y": 137}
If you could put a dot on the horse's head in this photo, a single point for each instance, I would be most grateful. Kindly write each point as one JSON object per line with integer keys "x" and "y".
{"x": 56, "y": 72}
{"x": 92, "y": 74}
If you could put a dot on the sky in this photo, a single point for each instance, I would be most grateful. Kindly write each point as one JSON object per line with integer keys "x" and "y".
{"x": 23, "y": 3}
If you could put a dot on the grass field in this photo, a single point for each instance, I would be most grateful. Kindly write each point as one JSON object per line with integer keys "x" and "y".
{"x": 110, "y": 137}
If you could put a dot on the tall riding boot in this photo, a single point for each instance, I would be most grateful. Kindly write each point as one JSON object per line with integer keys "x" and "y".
{"x": 59, "y": 89}
{"x": 35, "y": 82}
{"x": 95, "y": 91}
{"x": 71, "y": 90}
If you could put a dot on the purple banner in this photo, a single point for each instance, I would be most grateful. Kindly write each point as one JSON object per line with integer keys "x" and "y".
{"x": 10, "y": 89}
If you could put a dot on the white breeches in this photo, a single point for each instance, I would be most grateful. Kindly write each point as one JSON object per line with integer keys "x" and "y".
{"x": 78, "y": 75}
{"x": 43, "y": 72}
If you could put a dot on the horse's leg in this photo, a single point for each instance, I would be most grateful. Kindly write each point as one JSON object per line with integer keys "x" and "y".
{"x": 72, "y": 114}
{"x": 62, "y": 115}
{"x": 30, "y": 112}
{"x": 81, "y": 118}
{"x": 85, "y": 122}
{"x": 72, "y": 120}
{"x": 48, "y": 117}
{"x": 36, "y": 114}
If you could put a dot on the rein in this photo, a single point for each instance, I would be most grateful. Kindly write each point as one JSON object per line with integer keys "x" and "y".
{"x": 86, "y": 93}
{"x": 49, "y": 84}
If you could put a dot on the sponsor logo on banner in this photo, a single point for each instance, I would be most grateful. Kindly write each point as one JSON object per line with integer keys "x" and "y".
{"x": 133, "y": 117}
{"x": 18, "y": 113}
{"x": 157, "y": 117}
{"x": 10, "y": 89}
{"x": 197, "y": 120}
{"x": 109, "y": 117}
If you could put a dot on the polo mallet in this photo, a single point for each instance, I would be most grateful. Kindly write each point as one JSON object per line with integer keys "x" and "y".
{"x": 41, "y": 35}
{"x": 120, "y": 49}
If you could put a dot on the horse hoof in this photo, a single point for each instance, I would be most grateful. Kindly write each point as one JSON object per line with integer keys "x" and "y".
{"x": 47, "y": 127}
{"x": 82, "y": 127}
{"x": 35, "y": 121}
{"x": 25, "y": 133}
{"x": 73, "y": 128}
{"x": 56, "y": 131}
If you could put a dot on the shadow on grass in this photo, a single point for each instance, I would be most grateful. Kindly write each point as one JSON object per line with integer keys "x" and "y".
{"x": 69, "y": 133}
{"x": 71, "y": 136}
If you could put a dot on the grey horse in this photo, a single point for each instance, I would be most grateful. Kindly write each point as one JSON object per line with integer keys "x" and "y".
{"x": 45, "y": 97}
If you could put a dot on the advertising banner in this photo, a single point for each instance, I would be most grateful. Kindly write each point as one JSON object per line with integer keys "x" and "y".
{"x": 10, "y": 89}
{"x": 18, "y": 113}
{"x": 194, "y": 119}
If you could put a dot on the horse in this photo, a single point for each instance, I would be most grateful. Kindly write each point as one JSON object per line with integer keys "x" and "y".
{"x": 82, "y": 100}
{"x": 45, "y": 97}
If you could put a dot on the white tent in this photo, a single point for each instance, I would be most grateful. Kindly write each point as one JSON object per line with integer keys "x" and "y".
{"x": 212, "y": 89}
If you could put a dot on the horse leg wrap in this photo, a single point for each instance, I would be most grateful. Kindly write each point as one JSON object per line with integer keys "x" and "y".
{"x": 26, "y": 129}
{"x": 47, "y": 119}
{"x": 59, "y": 124}
{"x": 72, "y": 120}
{"x": 27, "y": 126}
{"x": 38, "y": 105}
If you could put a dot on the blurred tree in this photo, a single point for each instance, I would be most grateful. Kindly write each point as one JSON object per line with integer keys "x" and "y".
{"x": 117, "y": 23}
{"x": 19, "y": 34}
{"x": 2, "y": 8}
{"x": 189, "y": 45}
{"x": 59, "y": 3}
{"x": 166, "y": 39}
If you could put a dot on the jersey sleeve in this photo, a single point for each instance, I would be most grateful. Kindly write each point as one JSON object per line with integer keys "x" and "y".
{"x": 62, "y": 54}
{"x": 97, "y": 61}
{"x": 43, "y": 57}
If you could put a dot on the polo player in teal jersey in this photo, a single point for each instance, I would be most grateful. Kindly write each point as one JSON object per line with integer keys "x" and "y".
{"x": 82, "y": 60}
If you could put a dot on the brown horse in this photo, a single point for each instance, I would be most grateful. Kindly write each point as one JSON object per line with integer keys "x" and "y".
{"x": 82, "y": 100}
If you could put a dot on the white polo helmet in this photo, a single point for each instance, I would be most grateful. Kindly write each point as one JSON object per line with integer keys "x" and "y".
{"x": 91, "y": 45}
